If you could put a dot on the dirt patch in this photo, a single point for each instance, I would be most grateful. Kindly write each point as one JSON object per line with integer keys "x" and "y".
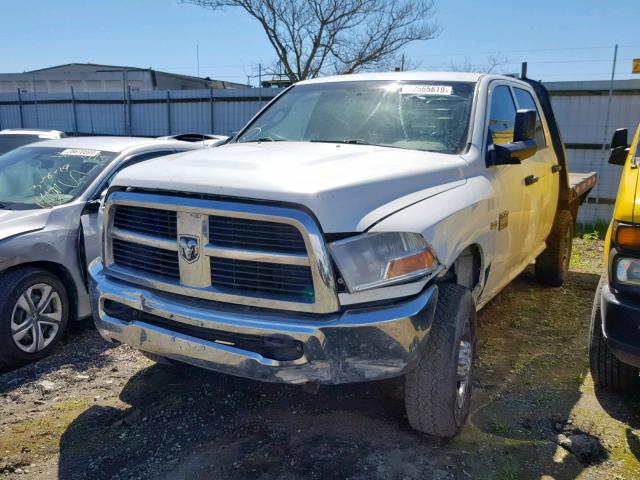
{"x": 96, "y": 411}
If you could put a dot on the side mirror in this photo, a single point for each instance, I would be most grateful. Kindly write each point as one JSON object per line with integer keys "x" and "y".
{"x": 619, "y": 147}
{"x": 620, "y": 138}
{"x": 525, "y": 126}
{"x": 523, "y": 145}
{"x": 618, "y": 156}
{"x": 501, "y": 155}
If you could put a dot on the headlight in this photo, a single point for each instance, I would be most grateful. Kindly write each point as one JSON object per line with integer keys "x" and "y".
{"x": 379, "y": 259}
{"x": 628, "y": 271}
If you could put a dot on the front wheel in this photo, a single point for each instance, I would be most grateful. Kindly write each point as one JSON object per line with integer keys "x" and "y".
{"x": 34, "y": 309}
{"x": 438, "y": 389}
{"x": 606, "y": 370}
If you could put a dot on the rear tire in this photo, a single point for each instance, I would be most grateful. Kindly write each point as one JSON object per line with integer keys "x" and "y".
{"x": 607, "y": 371}
{"x": 438, "y": 389}
{"x": 552, "y": 265}
{"x": 34, "y": 309}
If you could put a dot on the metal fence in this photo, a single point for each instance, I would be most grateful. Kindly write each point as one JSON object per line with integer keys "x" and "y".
{"x": 135, "y": 113}
{"x": 582, "y": 109}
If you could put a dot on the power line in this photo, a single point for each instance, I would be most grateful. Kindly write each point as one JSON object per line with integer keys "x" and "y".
{"x": 525, "y": 51}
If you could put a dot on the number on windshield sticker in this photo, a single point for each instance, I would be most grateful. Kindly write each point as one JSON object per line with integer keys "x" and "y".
{"x": 427, "y": 90}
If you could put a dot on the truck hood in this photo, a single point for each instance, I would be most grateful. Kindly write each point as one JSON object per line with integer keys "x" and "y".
{"x": 15, "y": 222}
{"x": 347, "y": 187}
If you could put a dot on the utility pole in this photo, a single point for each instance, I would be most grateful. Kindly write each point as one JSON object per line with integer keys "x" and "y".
{"x": 402, "y": 64}
{"x": 35, "y": 100}
{"x": 605, "y": 133}
{"x": 260, "y": 82}
{"x": 198, "y": 58}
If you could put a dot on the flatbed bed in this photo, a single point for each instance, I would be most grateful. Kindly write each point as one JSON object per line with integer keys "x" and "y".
{"x": 580, "y": 184}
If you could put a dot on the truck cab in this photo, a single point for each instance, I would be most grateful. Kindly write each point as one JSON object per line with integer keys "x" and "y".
{"x": 614, "y": 351}
{"x": 349, "y": 232}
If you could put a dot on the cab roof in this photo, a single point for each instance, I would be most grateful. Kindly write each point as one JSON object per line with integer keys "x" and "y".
{"x": 391, "y": 76}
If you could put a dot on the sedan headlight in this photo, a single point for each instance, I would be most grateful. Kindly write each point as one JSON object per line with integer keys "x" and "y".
{"x": 628, "y": 271}
{"x": 379, "y": 259}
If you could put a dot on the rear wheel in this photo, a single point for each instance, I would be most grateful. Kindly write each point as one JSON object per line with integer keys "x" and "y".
{"x": 607, "y": 371}
{"x": 438, "y": 389}
{"x": 34, "y": 310}
{"x": 552, "y": 265}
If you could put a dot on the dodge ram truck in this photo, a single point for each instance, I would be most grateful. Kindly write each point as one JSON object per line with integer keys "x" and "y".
{"x": 348, "y": 233}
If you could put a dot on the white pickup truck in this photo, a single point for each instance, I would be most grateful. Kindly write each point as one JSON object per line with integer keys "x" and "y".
{"x": 348, "y": 233}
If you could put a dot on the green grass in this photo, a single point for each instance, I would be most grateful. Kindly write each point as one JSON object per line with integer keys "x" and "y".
{"x": 592, "y": 231}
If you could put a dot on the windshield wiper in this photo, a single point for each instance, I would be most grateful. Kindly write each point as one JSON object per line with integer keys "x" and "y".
{"x": 263, "y": 139}
{"x": 3, "y": 206}
{"x": 353, "y": 141}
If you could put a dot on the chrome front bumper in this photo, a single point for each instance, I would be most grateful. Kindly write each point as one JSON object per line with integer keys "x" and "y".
{"x": 351, "y": 346}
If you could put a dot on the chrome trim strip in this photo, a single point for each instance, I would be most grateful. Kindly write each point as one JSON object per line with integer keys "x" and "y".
{"x": 213, "y": 250}
{"x": 326, "y": 298}
{"x": 144, "y": 239}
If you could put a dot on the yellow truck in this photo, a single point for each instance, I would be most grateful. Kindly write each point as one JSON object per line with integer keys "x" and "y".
{"x": 614, "y": 350}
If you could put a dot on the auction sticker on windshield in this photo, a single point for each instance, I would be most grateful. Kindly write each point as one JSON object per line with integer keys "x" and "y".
{"x": 79, "y": 152}
{"x": 427, "y": 90}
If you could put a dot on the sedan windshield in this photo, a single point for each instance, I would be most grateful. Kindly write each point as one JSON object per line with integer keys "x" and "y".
{"x": 43, "y": 177}
{"x": 429, "y": 116}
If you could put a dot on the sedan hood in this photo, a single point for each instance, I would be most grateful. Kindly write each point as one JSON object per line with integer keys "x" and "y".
{"x": 347, "y": 187}
{"x": 15, "y": 222}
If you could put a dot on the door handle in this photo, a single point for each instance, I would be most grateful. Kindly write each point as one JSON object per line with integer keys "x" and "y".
{"x": 556, "y": 168}
{"x": 530, "y": 180}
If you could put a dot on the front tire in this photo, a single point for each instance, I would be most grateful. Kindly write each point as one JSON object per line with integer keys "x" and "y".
{"x": 438, "y": 389}
{"x": 34, "y": 310}
{"x": 606, "y": 370}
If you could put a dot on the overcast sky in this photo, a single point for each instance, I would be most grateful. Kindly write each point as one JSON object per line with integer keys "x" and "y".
{"x": 561, "y": 39}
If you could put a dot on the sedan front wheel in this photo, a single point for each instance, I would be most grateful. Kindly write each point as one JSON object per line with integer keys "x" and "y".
{"x": 34, "y": 310}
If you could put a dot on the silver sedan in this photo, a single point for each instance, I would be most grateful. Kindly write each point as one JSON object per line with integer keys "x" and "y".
{"x": 49, "y": 201}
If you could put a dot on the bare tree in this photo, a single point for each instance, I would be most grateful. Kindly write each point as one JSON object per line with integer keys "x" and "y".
{"x": 336, "y": 36}
{"x": 493, "y": 64}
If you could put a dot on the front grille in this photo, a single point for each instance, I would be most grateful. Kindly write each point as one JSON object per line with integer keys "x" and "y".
{"x": 148, "y": 259}
{"x": 255, "y": 235}
{"x": 291, "y": 281}
{"x": 150, "y": 221}
{"x": 235, "y": 252}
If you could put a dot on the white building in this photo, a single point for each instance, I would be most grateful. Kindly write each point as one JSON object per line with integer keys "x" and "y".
{"x": 90, "y": 77}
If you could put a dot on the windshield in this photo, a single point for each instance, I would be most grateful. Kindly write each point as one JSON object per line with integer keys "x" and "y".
{"x": 429, "y": 116}
{"x": 43, "y": 177}
{"x": 10, "y": 141}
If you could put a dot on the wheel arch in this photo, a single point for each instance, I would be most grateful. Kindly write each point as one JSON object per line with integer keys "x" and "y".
{"x": 468, "y": 269}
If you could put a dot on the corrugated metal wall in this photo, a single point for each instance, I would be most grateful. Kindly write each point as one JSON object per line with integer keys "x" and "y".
{"x": 581, "y": 111}
{"x": 138, "y": 113}
{"x": 580, "y": 107}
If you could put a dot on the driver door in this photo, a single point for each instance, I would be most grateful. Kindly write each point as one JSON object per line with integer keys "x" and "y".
{"x": 509, "y": 210}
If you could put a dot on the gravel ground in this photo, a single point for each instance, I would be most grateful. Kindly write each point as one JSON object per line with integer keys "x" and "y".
{"x": 97, "y": 411}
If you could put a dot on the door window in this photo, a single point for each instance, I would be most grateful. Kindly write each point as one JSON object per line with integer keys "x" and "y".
{"x": 525, "y": 100}
{"x": 502, "y": 117}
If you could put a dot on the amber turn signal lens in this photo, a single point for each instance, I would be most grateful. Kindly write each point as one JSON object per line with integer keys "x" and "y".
{"x": 413, "y": 263}
{"x": 628, "y": 237}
